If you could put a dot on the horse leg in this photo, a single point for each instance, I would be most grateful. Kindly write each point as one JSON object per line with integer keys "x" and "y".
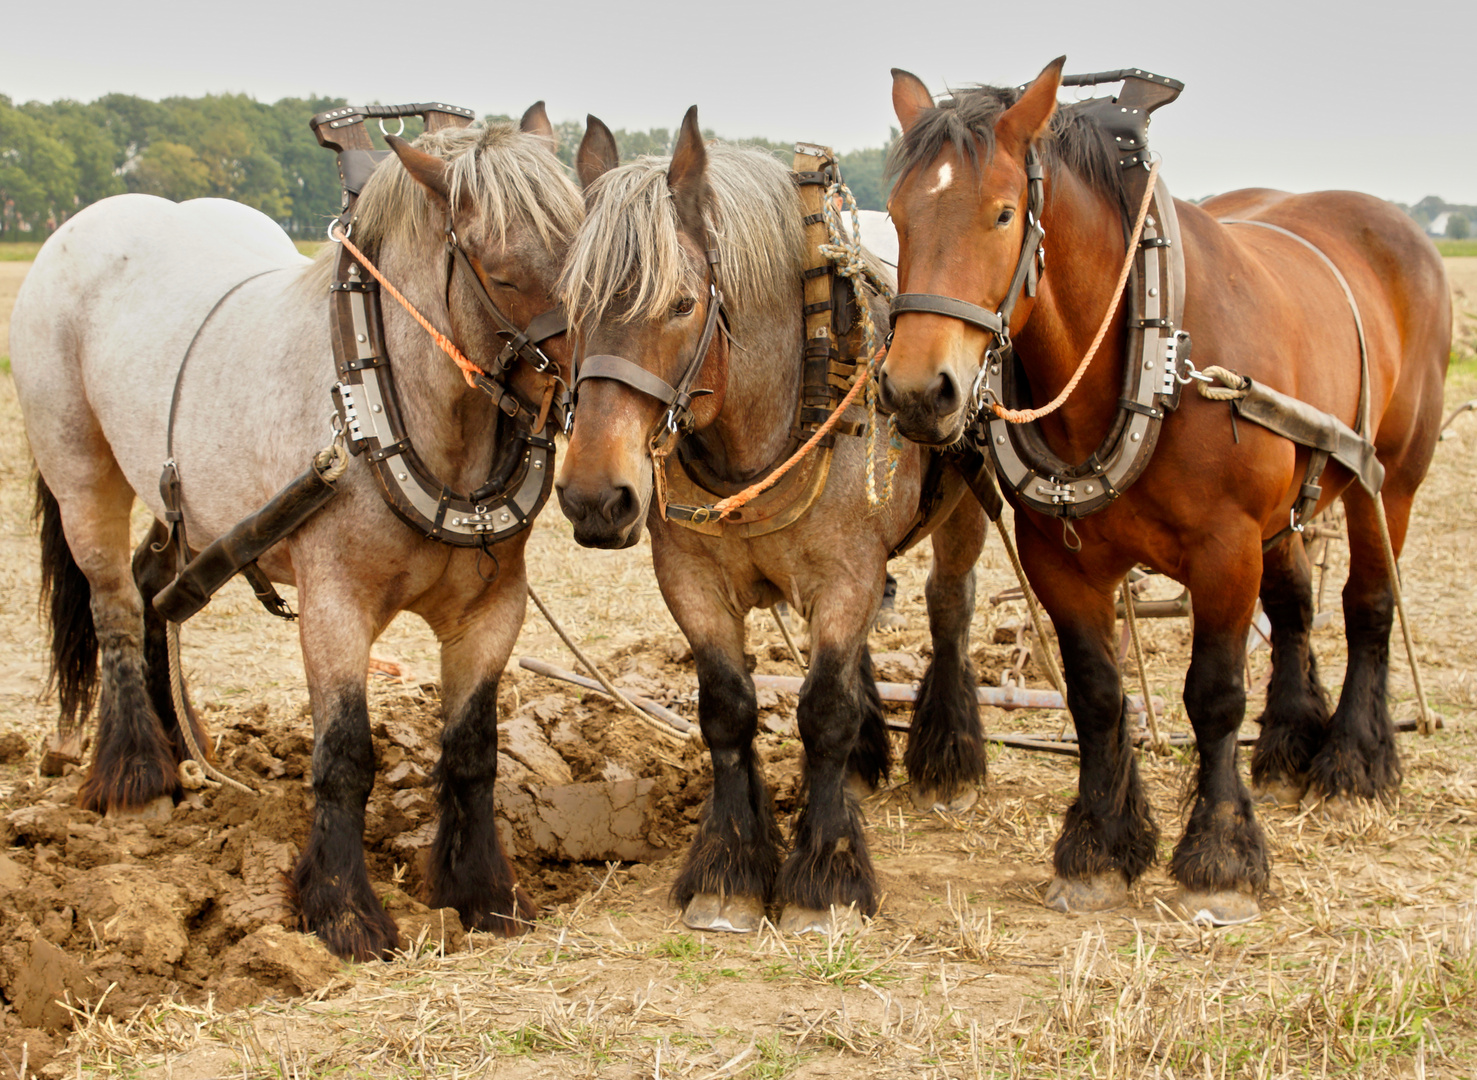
{"x": 729, "y": 874}
{"x": 331, "y": 881}
{"x": 1108, "y": 836}
{"x": 1359, "y": 757}
{"x": 1221, "y": 861}
{"x": 871, "y": 758}
{"x": 133, "y": 763}
{"x": 829, "y": 867}
{"x": 153, "y": 568}
{"x": 1295, "y": 721}
{"x": 468, "y": 869}
{"x": 945, "y": 755}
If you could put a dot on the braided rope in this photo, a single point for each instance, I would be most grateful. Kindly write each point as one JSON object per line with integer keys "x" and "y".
{"x": 846, "y": 252}
{"x": 1025, "y": 416}
{"x": 1233, "y": 386}
{"x": 470, "y": 371}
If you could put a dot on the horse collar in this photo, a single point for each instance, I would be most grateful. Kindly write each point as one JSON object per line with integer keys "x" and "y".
{"x": 1156, "y": 352}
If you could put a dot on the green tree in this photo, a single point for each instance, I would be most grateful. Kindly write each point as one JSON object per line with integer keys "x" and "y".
{"x": 173, "y": 171}
{"x": 1458, "y": 227}
{"x": 38, "y": 175}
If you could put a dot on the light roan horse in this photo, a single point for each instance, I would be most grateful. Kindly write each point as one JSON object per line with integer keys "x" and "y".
{"x": 637, "y": 286}
{"x": 1256, "y": 302}
{"x": 102, "y": 323}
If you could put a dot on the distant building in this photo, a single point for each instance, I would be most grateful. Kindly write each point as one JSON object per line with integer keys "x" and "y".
{"x": 1438, "y": 224}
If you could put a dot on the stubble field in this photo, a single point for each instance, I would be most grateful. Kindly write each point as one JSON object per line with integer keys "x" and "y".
{"x": 166, "y": 938}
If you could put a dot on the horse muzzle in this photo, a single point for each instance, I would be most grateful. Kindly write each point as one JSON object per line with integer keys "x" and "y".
{"x": 603, "y": 515}
{"x": 929, "y": 409}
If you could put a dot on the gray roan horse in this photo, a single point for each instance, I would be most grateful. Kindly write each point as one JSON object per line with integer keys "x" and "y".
{"x": 637, "y": 287}
{"x": 99, "y": 330}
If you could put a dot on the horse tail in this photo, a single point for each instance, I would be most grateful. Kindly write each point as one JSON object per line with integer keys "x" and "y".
{"x": 66, "y": 600}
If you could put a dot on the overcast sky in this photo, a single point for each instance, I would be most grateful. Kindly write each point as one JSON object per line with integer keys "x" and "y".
{"x": 1291, "y": 94}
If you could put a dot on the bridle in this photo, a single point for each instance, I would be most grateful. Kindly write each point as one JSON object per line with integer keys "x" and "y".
{"x": 517, "y": 344}
{"x": 677, "y": 421}
{"x": 1028, "y": 267}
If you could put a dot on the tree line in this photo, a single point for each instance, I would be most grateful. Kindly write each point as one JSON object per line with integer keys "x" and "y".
{"x": 59, "y": 157}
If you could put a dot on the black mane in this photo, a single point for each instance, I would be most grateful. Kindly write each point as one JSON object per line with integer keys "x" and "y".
{"x": 966, "y": 120}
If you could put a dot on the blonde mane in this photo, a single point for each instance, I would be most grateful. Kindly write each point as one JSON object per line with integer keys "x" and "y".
{"x": 627, "y": 259}
{"x": 512, "y": 177}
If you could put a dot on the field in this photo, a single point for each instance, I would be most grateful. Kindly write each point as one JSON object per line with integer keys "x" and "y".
{"x": 166, "y": 936}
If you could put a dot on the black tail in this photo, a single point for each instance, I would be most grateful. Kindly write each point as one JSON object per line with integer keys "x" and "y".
{"x": 66, "y": 599}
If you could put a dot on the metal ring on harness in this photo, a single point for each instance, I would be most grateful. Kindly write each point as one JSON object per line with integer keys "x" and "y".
{"x": 397, "y": 133}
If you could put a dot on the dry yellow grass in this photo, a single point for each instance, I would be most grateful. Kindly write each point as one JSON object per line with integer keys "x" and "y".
{"x": 1362, "y": 965}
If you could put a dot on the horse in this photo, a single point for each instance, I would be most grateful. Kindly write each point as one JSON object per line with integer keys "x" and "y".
{"x": 116, "y": 298}
{"x": 1211, "y": 508}
{"x": 637, "y": 285}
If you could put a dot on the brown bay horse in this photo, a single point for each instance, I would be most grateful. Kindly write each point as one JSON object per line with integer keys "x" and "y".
{"x": 638, "y": 287}
{"x": 1257, "y": 302}
{"x": 127, "y": 289}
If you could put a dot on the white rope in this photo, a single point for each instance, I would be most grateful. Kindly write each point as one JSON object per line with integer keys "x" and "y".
{"x": 188, "y": 777}
{"x": 846, "y": 252}
{"x": 620, "y": 698}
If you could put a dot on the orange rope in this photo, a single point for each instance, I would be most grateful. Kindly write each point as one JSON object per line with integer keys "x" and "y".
{"x": 1025, "y": 416}
{"x": 470, "y": 371}
{"x": 726, "y": 506}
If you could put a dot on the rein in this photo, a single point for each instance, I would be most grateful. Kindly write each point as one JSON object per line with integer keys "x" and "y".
{"x": 1025, "y": 416}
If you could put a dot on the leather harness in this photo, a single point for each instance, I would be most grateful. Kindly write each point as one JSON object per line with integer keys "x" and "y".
{"x": 367, "y": 409}
{"x": 1158, "y": 351}
{"x": 521, "y": 477}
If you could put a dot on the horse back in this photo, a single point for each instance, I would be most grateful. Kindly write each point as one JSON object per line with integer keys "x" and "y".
{"x": 1263, "y": 304}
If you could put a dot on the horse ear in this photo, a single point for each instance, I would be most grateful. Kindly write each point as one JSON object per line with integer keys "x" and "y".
{"x": 909, "y": 97}
{"x": 688, "y": 175}
{"x": 1026, "y": 121}
{"x": 598, "y": 153}
{"x": 536, "y": 122}
{"x": 427, "y": 170}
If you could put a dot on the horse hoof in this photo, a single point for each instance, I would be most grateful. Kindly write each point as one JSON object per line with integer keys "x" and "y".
{"x": 731, "y": 914}
{"x": 832, "y": 921}
{"x": 1330, "y": 807}
{"x": 158, "y": 809}
{"x": 1226, "y": 907}
{"x": 1101, "y": 892}
{"x": 931, "y": 801}
{"x": 887, "y": 619}
{"x": 1279, "y": 791}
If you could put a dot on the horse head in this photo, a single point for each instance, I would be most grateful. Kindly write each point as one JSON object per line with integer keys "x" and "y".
{"x": 499, "y": 193}
{"x": 640, "y": 291}
{"x": 960, "y": 207}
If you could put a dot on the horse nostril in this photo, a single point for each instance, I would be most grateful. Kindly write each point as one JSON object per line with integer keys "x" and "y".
{"x": 884, "y": 393}
{"x": 945, "y": 393}
{"x": 619, "y": 507}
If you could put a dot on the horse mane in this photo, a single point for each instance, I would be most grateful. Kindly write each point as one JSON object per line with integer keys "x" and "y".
{"x": 966, "y": 120}
{"x": 627, "y": 257}
{"x": 511, "y": 176}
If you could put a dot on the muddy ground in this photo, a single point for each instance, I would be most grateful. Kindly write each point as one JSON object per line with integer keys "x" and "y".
{"x": 163, "y": 946}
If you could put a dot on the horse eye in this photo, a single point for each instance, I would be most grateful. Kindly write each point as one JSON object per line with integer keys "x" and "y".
{"x": 1006, "y": 216}
{"x": 684, "y": 306}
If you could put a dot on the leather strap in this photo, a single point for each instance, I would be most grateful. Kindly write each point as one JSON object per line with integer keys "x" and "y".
{"x": 1361, "y": 421}
{"x": 619, "y": 369}
{"x": 932, "y": 304}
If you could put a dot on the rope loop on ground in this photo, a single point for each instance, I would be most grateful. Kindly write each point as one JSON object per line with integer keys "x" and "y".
{"x": 187, "y": 725}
